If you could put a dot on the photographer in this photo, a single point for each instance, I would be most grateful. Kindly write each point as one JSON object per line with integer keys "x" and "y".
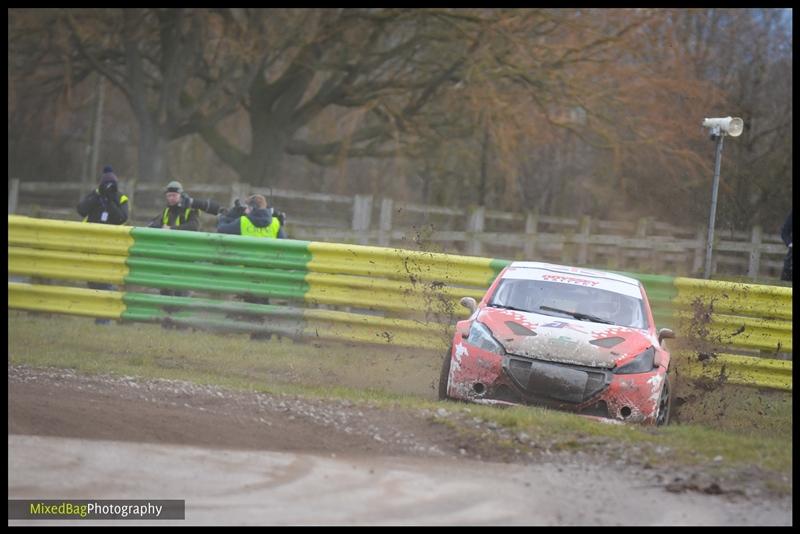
{"x": 182, "y": 211}
{"x": 104, "y": 205}
{"x": 256, "y": 219}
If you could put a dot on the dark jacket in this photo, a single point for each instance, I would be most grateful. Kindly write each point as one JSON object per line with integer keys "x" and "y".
{"x": 177, "y": 218}
{"x": 93, "y": 205}
{"x": 786, "y": 231}
{"x": 260, "y": 217}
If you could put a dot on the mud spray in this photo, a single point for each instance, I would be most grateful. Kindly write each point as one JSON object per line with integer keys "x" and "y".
{"x": 711, "y": 400}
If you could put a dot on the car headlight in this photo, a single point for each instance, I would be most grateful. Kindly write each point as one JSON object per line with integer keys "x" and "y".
{"x": 481, "y": 337}
{"x": 643, "y": 363}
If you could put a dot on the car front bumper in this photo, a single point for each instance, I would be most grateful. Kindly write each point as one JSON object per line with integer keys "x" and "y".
{"x": 485, "y": 377}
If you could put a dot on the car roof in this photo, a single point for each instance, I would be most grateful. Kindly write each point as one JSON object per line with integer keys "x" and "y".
{"x": 549, "y": 272}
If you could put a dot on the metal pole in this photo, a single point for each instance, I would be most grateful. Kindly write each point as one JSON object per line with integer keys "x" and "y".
{"x": 97, "y": 128}
{"x": 712, "y": 216}
{"x": 93, "y": 152}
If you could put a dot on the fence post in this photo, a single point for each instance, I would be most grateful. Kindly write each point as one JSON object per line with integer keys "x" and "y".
{"x": 567, "y": 246}
{"x": 238, "y": 190}
{"x": 362, "y": 216}
{"x": 699, "y": 251}
{"x": 642, "y": 229}
{"x": 385, "y": 233}
{"x": 755, "y": 253}
{"x": 476, "y": 219}
{"x": 615, "y": 257}
{"x": 13, "y": 195}
{"x": 531, "y": 224}
{"x": 583, "y": 247}
{"x": 131, "y": 197}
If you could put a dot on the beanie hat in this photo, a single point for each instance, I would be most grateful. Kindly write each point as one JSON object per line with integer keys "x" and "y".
{"x": 108, "y": 175}
{"x": 174, "y": 187}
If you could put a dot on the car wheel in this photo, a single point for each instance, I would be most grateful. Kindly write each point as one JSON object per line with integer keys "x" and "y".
{"x": 444, "y": 376}
{"x": 664, "y": 403}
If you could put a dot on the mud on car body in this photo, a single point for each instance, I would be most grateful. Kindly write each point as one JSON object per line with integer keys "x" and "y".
{"x": 562, "y": 337}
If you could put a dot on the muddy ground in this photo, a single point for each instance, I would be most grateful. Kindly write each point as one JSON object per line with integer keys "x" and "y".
{"x": 453, "y": 479}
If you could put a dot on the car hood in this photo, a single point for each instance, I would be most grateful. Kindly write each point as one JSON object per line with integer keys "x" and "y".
{"x": 564, "y": 340}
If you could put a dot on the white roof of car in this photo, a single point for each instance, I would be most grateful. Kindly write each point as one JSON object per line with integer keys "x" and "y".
{"x": 548, "y": 272}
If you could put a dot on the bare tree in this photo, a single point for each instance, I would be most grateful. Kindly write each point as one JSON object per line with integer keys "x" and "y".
{"x": 740, "y": 58}
{"x": 571, "y": 86}
{"x": 380, "y": 66}
{"x": 581, "y": 110}
{"x": 178, "y": 68}
{"x": 42, "y": 94}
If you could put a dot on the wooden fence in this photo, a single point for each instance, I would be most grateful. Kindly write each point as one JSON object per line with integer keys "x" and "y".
{"x": 644, "y": 246}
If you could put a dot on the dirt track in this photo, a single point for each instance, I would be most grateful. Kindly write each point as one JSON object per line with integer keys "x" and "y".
{"x": 228, "y": 453}
{"x": 61, "y": 403}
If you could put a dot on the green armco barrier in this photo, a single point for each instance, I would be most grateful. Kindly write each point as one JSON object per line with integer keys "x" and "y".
{"x": 661, "y": 291}
{"x": 323, "y": 273}
{"x": 497, "y": 266}
{"x": 216, "y": 278}
{"x": 283, "y": 320}
{"x": 219, "y": 248}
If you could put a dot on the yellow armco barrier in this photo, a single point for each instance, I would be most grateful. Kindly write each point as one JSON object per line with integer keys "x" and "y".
{"x": 71, "y": 236}
{"x": 742, "y": 332}
{"x": 369, "y": 329}
{"x": 70, "y": 300}
{"x": 748, "y": 300}
{"x": 744, "y": 316}
{"x": 63, "y": 265}
{"x": 715, "y": 317}
{"x": 398, "y": 264}
{"x": 746, "y": 370}
{"x": 382, "y": 294}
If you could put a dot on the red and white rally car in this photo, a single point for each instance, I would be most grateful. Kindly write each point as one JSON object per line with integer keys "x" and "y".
{"x": 563, "y": 337}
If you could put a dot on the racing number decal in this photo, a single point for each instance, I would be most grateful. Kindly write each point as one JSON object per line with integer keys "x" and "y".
{"x": 559, "y": 324}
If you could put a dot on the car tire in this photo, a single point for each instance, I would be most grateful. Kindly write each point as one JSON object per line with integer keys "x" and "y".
{"x": 664, "y": 403}
{"x": 444, "y": 375}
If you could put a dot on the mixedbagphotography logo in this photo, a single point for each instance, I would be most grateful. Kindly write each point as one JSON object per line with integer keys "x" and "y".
{"x": 96, "y": 509}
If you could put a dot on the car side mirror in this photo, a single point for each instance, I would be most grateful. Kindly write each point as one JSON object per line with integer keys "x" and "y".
{"x": 469, "y": 303}
{"x": 665, "y": 333}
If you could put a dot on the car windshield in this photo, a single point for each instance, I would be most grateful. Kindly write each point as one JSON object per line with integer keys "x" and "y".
{"x": 567, "y": 300}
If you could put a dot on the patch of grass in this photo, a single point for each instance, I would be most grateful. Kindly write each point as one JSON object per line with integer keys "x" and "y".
{"x": 389, "y": 377}
{"x": 684, "y": 444}
{"x": 746, "y": 411}
{"x": 231, "y": 359}
{"x": 779, "y": 487}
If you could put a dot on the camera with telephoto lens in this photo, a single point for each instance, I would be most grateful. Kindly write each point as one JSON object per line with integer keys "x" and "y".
{"x": 108, "y": 189}
{"x": 236, "y": 211}
{"x": 206, "y": 205}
